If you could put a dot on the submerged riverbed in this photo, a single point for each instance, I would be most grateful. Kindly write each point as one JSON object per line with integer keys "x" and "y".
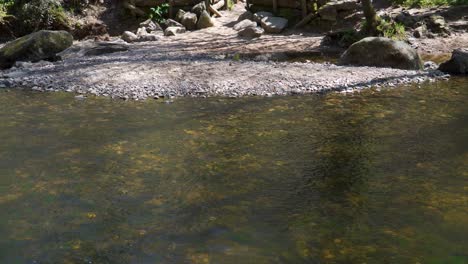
{"x": 373, "y": 177}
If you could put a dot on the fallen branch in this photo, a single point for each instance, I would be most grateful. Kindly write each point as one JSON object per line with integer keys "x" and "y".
{"x": 214, "y": 11}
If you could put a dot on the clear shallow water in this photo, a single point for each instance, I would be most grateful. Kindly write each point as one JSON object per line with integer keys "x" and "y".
{"x": 376, "y": 177}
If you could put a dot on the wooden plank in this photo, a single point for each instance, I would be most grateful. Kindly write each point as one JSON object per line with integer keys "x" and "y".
{"x": 214, "y": 11}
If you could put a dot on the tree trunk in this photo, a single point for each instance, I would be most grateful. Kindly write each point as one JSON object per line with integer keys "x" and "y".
{"x": 372, "y": 20}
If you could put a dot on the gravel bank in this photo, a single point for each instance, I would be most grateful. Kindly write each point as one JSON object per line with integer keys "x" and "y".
{"x": 200, "y": 64}
{"x": 138, "y": 75}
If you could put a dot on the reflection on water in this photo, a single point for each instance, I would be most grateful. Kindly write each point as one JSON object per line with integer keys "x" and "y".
{"x": 376, "y": 177}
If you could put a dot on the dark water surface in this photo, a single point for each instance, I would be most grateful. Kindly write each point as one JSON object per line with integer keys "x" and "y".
{"x": 376, "y": 177}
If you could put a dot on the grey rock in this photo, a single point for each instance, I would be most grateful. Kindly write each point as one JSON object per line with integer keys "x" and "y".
{"x": 172, "y": 23}
{"x": 244, "y": 24}
{"x": 251, "y": 32}
{"x": 23, "y": 64}
{"x": 205, "y": 20}
{"x": 461, "y": 25}
{"x": 257, "y": 17}
{"x": 382, "y": 52}
{"x": 437, "y": 24}
{"x": 189, "y": 21}
{"x": 141, "y": 32}
{"x": 41, "y": 45}
{"x": 246, "y": 15}
{"x": 458, "y": 63}
{"x": 172, "y": 31}
{"x": 92, "y": 48}
{"x": 149, "y": 37}
{"x": 199, "y": 8}
{"x": 150, "y": 25}
{"x": 129, "y": 37}
{"x": 407, "y": 19}
{"x": 420, "y": 31}
{"x": 274, "y": 24}
{"x": 430, "y": 65}
{"x": 180, "y": 14}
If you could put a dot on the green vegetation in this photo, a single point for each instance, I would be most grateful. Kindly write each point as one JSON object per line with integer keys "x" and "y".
{"x": 159, "y": 13}
{"x": 32, "y": 15}
{"x": 392, "y": 29}
{"x": 40, "y": 14}
{"x": 230, "y": 4}
{"x": 4, "y": 10}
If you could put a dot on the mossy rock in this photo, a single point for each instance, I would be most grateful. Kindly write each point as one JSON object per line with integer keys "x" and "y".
{"x": 41, "y": 45}
{"x": 382, "y": 52}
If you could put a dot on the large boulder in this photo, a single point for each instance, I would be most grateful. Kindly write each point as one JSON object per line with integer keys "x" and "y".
{"x": 382, "y": 52}
{"x": 437, "y": 24}
{"x": 180, "y": 14}
{"x": 246, "y": 15}
{"x": 189, "y": 21}
{"x": 34, "y": 47}
{"x": 199, "y": 8}
{"x": 205, "y": 20}
{"x": 274, "y": 24}
{"x": 458, "y": 64}
{"x": 257, "y": 17}
{"x": 251, "y": 32}
{"x": 244, "y": 24}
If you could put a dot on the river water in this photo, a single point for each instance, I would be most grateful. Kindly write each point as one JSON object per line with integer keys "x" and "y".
{"x": 373, "y": 177}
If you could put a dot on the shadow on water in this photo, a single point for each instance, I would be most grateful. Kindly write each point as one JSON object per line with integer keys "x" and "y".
{"x": 312, "y": 179}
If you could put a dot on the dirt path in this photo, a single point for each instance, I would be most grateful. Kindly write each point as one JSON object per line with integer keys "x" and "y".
{"x": 199, "y": 63}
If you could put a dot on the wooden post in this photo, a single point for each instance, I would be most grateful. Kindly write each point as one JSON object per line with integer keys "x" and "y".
{"x": 304, "y": 8}
{"x": 275, "y": 7}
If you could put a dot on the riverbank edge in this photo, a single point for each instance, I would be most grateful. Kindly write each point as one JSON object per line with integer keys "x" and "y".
{"x": 49, "y": 77}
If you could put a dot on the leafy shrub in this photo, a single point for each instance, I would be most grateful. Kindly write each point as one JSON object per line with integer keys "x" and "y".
{"x": 4, "y": 10}
{"x": 392, "y": 29}
{"x": 33, "y": 15}
{"x": 230, "y": 4}
{"x": 159, "y": 13}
